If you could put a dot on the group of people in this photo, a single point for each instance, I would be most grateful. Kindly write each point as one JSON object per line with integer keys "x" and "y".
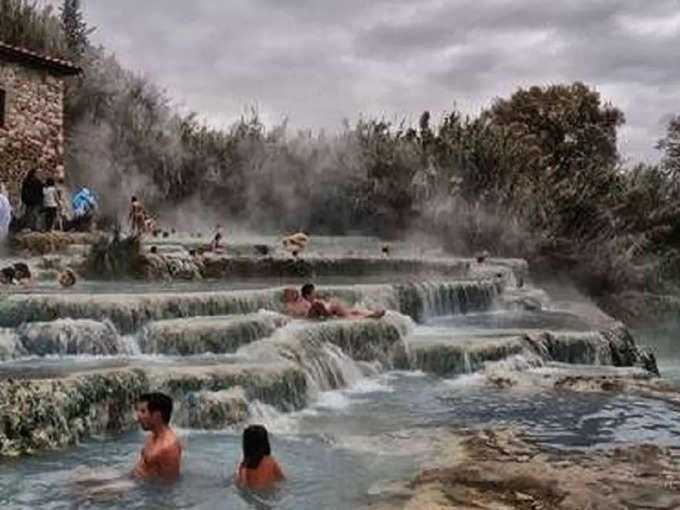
{"x": 45, "y": 202}
{"x": 16, "y": 274}
{"x": 161, "y": 455}
{"x": 20, "y": 274}
{"x": 141, "y": 222}
{"x": 47, "y": 207}
{"x": 305, "y": 303}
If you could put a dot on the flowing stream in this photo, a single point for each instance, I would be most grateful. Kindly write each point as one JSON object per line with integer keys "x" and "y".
{"x": 350, "y": 406}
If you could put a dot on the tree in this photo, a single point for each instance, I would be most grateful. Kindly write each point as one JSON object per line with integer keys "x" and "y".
{"x": 670, "y": 145}
{"x": 75, "y": 28}
{"x": 568, "y": 125}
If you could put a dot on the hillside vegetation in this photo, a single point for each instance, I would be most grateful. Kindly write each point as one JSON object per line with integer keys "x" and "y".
{"x": 535, "y": 175}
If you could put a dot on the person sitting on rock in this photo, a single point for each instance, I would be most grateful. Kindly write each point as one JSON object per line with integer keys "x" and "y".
{"x": 162, "y": 453}
{"x": 321, "y": 309}
{"x": 294, "y": 305}
{"x": 216, "y": 244}
{"x": 259, "y": 468}
{"x": 67, "y": 278}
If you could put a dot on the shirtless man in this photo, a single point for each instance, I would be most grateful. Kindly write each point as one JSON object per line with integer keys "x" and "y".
{"x": 137, "y": 217}
{"x": 160, "y": 458}
{"x": 294, "y": 305}
{"x": 319, "y": 308}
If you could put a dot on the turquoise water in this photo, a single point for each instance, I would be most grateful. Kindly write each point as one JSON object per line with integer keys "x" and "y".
{"x": 339, "y": 452}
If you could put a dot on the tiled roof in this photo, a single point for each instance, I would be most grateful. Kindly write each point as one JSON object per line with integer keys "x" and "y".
{"x": 27, "y": 56}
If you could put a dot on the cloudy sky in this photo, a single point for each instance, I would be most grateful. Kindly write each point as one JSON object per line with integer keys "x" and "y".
{"x": 319, "y": 61}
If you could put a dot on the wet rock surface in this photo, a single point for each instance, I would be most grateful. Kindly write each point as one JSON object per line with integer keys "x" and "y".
{"x": 217, "y": 334}
{"x": 500, "y": 469}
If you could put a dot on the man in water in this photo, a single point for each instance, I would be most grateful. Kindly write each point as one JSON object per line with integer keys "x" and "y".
{"x": 320, "y": 309}
{"x": 294, "y": 305}
{"x": 160, "y": 458}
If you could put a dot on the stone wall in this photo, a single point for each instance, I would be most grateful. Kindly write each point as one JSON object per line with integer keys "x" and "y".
{"x": 32, "y": 136}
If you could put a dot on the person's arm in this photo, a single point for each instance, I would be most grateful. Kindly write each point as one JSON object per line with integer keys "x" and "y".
{"x": 166, "y": 463}
{"x": 240, "y": 475}
{"x": 278, "y": 473}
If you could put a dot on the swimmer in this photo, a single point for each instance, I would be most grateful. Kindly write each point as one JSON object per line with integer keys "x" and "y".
{"x": 8, "y": 276}
{"x": 22, "y": 273}
{"x": 162, "y": 453}
{"x": 295, "y": 243}
{"x": 293, "y": 304}
{"x": 321, "y": 309}
{"x": 67, "y": 278}
{"x": 481, "y": 257}
{"x": 258, "y": 468}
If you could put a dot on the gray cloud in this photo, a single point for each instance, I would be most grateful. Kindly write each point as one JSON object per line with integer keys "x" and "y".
{"x": 321, "y": 61}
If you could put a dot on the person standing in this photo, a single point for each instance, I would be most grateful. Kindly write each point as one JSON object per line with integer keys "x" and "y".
{"x": 63, "y": 209}
{"x": 5, "y": 213}
{"x": 32, "y": 198}
{"x": 50, "y": 204}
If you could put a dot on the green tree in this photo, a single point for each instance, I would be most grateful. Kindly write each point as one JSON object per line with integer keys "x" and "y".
{"x": 25, "y": 23}
{"x": 569, "y": 125}
{"x": 75, "y": 28}
{"x": 670, "y": 145}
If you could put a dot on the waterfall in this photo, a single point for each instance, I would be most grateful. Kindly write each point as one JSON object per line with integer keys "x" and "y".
{"x": 430, "y": 299}
{"x": 71, "y": 337}
{"x": 467, "y": 366}
{"x": 10, "y": 345}
{"x": 130, "y": 312}
{"x": 214, "y": 334}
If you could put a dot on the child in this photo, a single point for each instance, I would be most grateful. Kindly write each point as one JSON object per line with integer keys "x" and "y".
{"x": 258, "y": 468}
{"x": 50, "y": 204}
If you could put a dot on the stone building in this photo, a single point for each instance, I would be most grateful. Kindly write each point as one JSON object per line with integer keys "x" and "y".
{"x": 31, "y": 116}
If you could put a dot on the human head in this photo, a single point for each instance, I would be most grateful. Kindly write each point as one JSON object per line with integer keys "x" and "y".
{"x": 255, "y": 445}
{"x": 153, "y": 410}
{"x": 50, "y": 181}
{"x": 21, "y": 270}
{"x": 7, "y": 275}
{"x": 67, "y": 278}
{"x": 134, "y": 198}
{"x": 153, "y": 249}
{"x": 290, "y": 295}
{"x": 308, "y": 291}
{"x": 218, "y": 236}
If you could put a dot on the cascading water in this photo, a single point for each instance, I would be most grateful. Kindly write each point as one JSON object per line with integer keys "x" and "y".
{"x": 73, "y": 365}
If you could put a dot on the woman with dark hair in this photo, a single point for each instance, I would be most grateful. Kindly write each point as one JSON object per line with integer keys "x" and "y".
{"x": 258, "y": 467}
